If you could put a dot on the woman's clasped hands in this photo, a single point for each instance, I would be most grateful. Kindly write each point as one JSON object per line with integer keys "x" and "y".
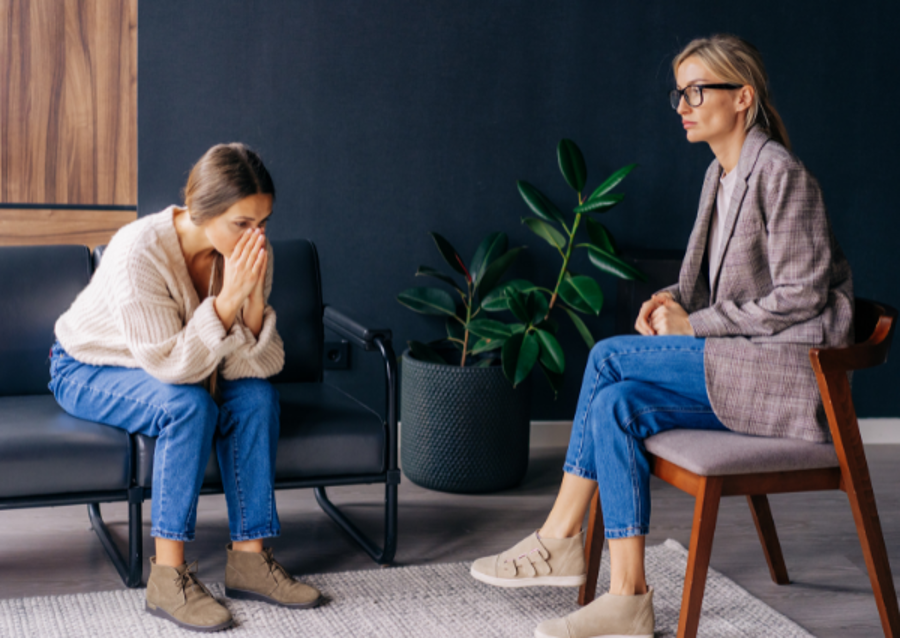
{"x": 662, "y": 315}
{"x": 244, "y": 281}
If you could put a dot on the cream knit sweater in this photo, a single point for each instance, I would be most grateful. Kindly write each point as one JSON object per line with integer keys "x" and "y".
{"x": 141, "y": 310}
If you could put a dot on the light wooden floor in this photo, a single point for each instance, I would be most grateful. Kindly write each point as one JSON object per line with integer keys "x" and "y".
{"x": 52, "y": 550}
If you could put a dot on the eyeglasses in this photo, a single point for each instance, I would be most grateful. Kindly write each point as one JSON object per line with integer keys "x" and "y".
{"x": 693, "y": 94}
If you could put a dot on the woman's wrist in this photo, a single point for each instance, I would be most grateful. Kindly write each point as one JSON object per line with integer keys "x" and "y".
{"x": 227, "y": 308}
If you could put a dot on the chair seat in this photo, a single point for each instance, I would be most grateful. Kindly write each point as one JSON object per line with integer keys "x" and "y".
{"x": 324, "y": 433}
{"x": 45, "y": 451}
{"x": 717, "y": 453}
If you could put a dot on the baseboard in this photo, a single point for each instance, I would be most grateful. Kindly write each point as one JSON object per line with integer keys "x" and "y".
{"x": 556, "y": 433}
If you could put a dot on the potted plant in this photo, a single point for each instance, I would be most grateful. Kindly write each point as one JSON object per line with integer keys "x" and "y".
{"x": 464, "y": 428}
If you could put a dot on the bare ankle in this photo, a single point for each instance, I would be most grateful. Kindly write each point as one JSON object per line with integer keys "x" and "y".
{"x": 558, "y": 533}
{"x": 628, "y": 590}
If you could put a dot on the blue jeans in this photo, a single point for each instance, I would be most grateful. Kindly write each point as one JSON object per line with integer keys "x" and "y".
{"x": 185, "y": 419}
{"x": 634, "y": 387}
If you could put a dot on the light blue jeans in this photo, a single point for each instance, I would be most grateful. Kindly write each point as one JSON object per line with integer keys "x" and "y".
{"x": 185, "y": 420}
{"x": 634, "y": 387}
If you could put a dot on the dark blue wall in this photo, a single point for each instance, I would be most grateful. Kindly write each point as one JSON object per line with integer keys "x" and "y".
{"x": 381, "y": 121}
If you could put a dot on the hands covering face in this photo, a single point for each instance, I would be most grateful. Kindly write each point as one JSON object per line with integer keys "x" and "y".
{"x": 245, "y": 268}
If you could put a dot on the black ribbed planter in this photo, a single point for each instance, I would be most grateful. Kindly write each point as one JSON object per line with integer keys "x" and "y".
{"x": 463, "y": 430}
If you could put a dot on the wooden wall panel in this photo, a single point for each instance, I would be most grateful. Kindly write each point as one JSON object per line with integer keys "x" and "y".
{"x": 68, "y": 107}
{"x": 86, "y": 227}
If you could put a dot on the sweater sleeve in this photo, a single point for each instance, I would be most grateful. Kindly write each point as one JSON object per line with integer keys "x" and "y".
{"x": 257, "y": 357}
{"x": 152, "y": 322}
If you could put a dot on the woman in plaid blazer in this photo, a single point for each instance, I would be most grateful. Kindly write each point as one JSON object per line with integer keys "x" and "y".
{"x": 726, "y": 347}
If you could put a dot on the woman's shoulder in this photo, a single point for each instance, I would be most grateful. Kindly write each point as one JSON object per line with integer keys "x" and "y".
{"x": 142, "y": 246}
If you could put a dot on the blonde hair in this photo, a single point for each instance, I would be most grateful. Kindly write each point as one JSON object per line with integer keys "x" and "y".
{"x": 737, "y": 61}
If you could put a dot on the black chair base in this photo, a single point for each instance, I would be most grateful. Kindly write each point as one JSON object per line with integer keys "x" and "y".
{"x": 130, "y": 570}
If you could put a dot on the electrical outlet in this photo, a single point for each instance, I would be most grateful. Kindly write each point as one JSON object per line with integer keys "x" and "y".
{"x": 337, "y": 355}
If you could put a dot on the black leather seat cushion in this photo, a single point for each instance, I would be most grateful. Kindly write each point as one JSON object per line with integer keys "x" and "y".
{"x": 324, "y": 433}
{"x": 45, "y": 451}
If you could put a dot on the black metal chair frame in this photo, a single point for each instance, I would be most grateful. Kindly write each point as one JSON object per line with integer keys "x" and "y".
{"x": 368, "y": 339}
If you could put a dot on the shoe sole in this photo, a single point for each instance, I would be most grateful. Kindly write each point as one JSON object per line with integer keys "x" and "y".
{"x": 537, "y": 581}
{"x": 241, "y": 594}
{"x": 541, "y": 634}
{"x": 161, "y": 613}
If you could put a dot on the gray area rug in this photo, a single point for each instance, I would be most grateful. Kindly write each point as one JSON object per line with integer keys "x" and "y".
{"x": 431, "y": 601}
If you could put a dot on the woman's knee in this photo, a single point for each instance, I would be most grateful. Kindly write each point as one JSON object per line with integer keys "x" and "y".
{"x": 252, "y": 396}
{"x": 190, "y": 404}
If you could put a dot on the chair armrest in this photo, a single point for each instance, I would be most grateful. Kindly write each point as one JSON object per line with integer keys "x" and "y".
{"x": 354, "y": 331}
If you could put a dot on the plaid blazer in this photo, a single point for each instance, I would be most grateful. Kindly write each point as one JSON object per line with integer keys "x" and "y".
{"x": 782, "y": 286}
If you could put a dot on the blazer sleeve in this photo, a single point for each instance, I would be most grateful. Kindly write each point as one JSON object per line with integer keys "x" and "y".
{"x": 798, "y": 244}
{"x": 257, "y": 357}
{"x": 154, "y": 329}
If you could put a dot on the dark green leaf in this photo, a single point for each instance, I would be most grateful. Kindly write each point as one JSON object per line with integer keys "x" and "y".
{"x": 426, "y": 271}
{"x": 423, "y": 352}
{"x": 589, "y": 291}
{"x": 539, "y": 204}
{"x": 536, "y": 306}
{"x": 600, "y": 236}
{"x": 600, "y": 205}
{"x": 613, "y": 265}
{"x": 549, "y": 324}
{"x": 528, "y": 356}
{"x": 571, "y": 163}
{"x": 612, "y": 181}
{"x": 429, "y": 301}
{"x": 582, "y": 328}
{"x": 455, "y": 329}
{"x": 517, "y": 327}
{"x": 546, "y": 232}
{"x": 496, "y": 270}
{"x": 569, "y": 294}
{"x": 551, "y": 352}
{"x": 485, "y": 363}
{"x": 489, "y": 329}
{"x": 556, "y": 380}
{"x": 516, "y": 301}
{"x": 486, "y": 345}
{"x": 495, "y": 300}
{"x": 449, "y": 253}
{"x": 510, "y": 356}
{"x": 492, "y": 247}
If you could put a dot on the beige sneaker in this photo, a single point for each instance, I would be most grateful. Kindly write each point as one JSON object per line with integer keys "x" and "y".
{"x": 176, "y": 594}
{"x": 534, "y": 562}
{"x": 253, "y": 576}
{"x": 607, "y": 617}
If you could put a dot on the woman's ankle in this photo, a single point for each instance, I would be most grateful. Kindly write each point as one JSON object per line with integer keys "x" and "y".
{"x": 558, "y": 533}
{"x": 629, "y": 589}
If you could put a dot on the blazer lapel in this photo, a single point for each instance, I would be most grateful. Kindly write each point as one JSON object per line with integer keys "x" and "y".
{"x": 756, "y": 139}
{"x": 696, "y": 249}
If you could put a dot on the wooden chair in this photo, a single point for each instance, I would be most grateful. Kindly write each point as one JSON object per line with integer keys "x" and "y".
{"x": 709, "y": 465}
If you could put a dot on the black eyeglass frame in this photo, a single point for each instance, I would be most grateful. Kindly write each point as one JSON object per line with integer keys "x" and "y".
{"x": 675, "y": 95}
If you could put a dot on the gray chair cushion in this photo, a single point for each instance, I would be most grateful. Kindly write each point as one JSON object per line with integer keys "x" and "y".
{"x": 717, "y": 453}
{"x": 45, "y": 451}
{"x": 324, "y": 433}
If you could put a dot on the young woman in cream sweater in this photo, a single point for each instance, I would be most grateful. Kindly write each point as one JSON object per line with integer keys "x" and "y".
{"x": 173, "y": 338}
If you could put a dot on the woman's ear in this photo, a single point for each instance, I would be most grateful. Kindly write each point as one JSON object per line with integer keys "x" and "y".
{"x": 745, "y": 97}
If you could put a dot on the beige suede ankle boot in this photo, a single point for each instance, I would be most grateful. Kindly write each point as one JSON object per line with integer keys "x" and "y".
{"x": 609, "y": 616}
{"x": 258, "y": 576}
{"x": 176, "y": 594}
{"x": 535, "y": 562}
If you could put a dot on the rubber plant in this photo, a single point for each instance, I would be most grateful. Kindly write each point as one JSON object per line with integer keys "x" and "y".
{"x": 531, "y": 339}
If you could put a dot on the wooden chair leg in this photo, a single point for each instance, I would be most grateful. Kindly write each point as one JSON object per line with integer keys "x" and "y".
{"x": 593, "y": 551}
{"x": 765, "y": 527}
{"x": 706, "y": 509}
{"x": 868, "y": 526}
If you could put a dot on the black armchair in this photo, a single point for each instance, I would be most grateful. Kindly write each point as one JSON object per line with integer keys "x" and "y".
{"x": 327, "y": 437}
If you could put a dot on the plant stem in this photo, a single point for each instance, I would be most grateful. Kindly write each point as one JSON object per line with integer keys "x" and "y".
{"x": 566, "y": 258}
{"x": 468, "y": 303}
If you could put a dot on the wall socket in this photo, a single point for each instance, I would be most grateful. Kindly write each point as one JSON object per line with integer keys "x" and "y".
{"x": 337, "y": 355}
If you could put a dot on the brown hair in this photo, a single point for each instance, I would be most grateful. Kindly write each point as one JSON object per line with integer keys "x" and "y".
{"x": 226, "y": 174}
{"x": 735, "y": 60}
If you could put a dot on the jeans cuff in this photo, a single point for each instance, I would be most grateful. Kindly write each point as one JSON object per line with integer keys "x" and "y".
{"x": 252, "y": 536}
{"x": 626, "y": 532}
{"x": 568, "y": 468}
{"x": 172, "y": 536}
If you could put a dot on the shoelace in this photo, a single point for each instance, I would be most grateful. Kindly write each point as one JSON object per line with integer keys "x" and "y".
{"x": 188, "y": 580}
{"x": 274, "y": 566}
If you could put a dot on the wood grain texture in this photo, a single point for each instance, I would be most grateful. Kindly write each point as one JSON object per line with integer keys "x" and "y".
{"x": 68, "y": 112}
{"x": 593, "y": 551}
{"x": 85, "y": 227}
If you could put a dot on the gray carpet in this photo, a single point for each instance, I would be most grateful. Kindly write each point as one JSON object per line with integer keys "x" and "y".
{"x": 429, "y": 602}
